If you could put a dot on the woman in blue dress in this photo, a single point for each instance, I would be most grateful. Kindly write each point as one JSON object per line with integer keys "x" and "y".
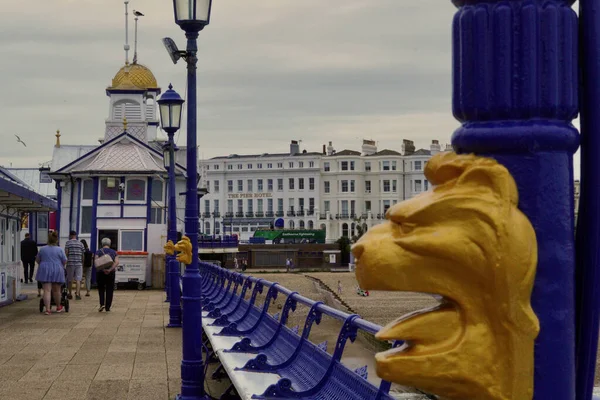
{"x": 51, "y": 271}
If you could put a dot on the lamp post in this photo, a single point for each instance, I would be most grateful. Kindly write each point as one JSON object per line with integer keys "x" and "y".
{"x": 170, "y": 105}
{"x": 192, "y": 16}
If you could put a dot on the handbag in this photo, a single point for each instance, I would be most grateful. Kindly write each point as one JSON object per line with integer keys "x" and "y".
{"x": 103, "y": 262}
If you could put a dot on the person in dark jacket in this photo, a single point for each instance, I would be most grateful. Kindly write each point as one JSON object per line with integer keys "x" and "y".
{"x": 29, "y": 251}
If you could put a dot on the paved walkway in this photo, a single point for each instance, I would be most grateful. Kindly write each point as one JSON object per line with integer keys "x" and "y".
{"x": 84, "y": 354}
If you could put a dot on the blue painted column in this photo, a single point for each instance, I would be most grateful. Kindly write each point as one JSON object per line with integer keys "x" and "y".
{"x": 58, "y": 206}
{"x": 172, "y": 263}
{"x": 192, "y": 366}
{"x": 94, "y": 233}
{"x": 516, "y": 93}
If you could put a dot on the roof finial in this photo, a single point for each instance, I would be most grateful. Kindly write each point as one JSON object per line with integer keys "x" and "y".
{"x": 126, "y": 47}
{"x": 125, "y": 124}
{"x": 57, "y": 138}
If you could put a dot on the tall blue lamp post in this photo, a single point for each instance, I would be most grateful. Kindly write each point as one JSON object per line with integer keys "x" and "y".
{"x": 192, "y": 16}
{"x": 170, "y": 106}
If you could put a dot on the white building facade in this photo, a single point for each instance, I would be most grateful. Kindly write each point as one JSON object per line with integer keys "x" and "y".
{"x": 327, "y": 190}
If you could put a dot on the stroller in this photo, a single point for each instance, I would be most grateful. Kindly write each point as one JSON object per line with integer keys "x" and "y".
{"x": 64, "y": 300}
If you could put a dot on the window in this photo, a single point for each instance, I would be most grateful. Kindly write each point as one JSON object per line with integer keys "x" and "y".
{"x": 345, "y": 207}
{"x": 386, "y": 185}
{"x": 344, "y": 165}
{"x": 352, "y": 186}
{"x": 327, "y": 206}
{"x": 230, "y": 166}
{"x": 229, "y": 206}
{"x": 291, "y": 164}
{"x": 426, "y": 182}
{"x": 351, "y": 165}
{"x": 385, "y": 166}
{"x": 216, "y": 205}
{"x": 44, "y": 177}
{"x": 291, "y": 204}
{"x": 269, "y": 165}
{"x": 156, "y": 214}
{"x": 259, "y": 184}
{"x": 217, "y": 228}
{"x": 352, "y": 207}
{"x": 270, "y": 205}
{"x": 418, "y": 186}
{"x": 239, "y": 166}
{"x": 216, "y": 187}
{"x": 311, "y": 164}
{"x": 301, "y": 183}
{"x": 269, "y": 185}
{"x": 418, "y": 166}
{"x": 327, "y": 187}
{"x": 311, "y": 203}
{"x": 157, "y": 191}
{"x": 249, "y": 166}
{"x": 344, "y": 186}
{"x": 291, "y": 183}
{"x": 259, "y": 166}
{"x": 136, "y": 190}
{"x": 207, "y": 228}
{"x": 367, "y": 206}
{"x": 240, "y": 205}
{"x": 86, "y": 222}
{"x": 250, "y": 188}
{"x": 109, "y": 189}
{"x": 240, "y": 185}
{"x": 326, "y": 167}
{"x": 301, "y": 164}
{"x": 393, "y": 165}
{"x": 259, "y": 205}
{"x": 367, "y": 166}
{"x": 229, "y": 186}
{"x": 367, "y": 186}
{"x": 132, "y": 240}
{"x": 394, "y": 186}
{"x": 386, "y": 205}
{"x": 301, "y": 204}
{"x": 207, "y": 186}
{"x": 279, "y": 205}
{"x": 311, "y": 183}
{"x": 42, "y": 225}
{"x": 280, "y": 185}
{"x": 250, "y": 203}
{"x": 216, "y": 166}
{"x": 279, "y": 165}
{"x": 87, "y": 192}
{"x": 206, "y": 206}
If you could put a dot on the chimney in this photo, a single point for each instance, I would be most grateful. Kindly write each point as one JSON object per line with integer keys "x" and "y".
{"x": 369, "y": 147}
{"x": 449, "y": 147}
{"x": 435, "y": 147}
{"x": 294, "y": 147}
{"x": 408, "y": 147}
{"x": 330, "y": 149}
{"x": 324, "y": 150}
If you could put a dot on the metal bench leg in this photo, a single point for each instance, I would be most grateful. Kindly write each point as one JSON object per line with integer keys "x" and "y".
{"x": 230, "y": 394}
{"x": 219, "y": 373}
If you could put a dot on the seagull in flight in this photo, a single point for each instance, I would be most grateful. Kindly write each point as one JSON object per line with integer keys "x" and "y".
{"x": 20, "y": 141}
{"x": 137, "y": 13}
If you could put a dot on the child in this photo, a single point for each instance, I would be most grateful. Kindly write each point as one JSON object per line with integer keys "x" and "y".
{"x": 339, "y": 287}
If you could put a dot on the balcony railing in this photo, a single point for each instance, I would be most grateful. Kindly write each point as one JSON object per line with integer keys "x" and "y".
{"x": 300, "y": 213}
{"x": 239, "y": 214}
{"x": 310, "y": 212}
{"x": 323, "y": 216}
{"x": 249, "y": 214}
{"x": 206, "y": 214}
{"x": 229, "y": 214}
{"x": 291, "y": 213}
{"x": 216, "y": 214}
{"x": 269, "y": 214}
{"x": 259, "y": 214}
{"x": 279, "y": 214}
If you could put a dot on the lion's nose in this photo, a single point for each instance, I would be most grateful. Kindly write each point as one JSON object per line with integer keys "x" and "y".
{"x": 358, "y": 249}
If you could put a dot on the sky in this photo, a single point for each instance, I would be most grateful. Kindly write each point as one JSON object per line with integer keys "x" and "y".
{"x": 269, "y": 72}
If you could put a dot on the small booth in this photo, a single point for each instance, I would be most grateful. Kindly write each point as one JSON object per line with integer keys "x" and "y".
{"x": 132, "y": 268}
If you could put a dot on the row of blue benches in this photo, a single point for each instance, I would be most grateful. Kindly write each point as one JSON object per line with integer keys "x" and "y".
{"x": 263, "y": 357}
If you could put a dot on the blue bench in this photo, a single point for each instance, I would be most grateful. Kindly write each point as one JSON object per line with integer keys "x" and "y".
{"x": 263, "y": 357}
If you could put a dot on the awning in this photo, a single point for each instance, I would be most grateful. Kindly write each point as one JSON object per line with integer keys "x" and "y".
{"x": 19, "y": 197}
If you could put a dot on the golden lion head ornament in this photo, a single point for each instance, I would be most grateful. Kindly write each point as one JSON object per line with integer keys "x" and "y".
{"x": 467, "y": 241}
{"x": 184, "y": 246}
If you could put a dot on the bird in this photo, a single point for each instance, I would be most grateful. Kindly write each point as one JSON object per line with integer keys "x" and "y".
{"x": 20, "y": 141}
{"x": 137, "y": 13}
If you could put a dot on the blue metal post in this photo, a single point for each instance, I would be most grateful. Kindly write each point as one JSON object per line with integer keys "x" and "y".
{"x": 192, "y": 366}
{"x": 588, "y": 235}
{"x": 172, "y": 263}
{"x": 515, "y": 84}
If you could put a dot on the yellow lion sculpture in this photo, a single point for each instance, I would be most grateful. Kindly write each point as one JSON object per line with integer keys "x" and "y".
{"x": 467, "y": 241}
{"x": 184, "y": 246}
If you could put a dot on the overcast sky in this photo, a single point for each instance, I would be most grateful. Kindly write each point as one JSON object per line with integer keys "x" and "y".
{"x": 269, "y": 71}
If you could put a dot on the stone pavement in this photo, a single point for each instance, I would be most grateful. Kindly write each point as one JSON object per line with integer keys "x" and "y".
{"x": 124, "y": 354}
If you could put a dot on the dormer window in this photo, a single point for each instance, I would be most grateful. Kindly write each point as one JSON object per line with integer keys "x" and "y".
{"x": 127, "y": 108}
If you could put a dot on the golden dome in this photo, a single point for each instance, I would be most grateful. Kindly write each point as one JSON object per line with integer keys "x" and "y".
{"x": 134, "y": 76}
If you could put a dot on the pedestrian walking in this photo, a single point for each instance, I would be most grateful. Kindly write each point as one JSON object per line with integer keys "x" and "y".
{"x": 29, "y": 252}
{"x": 74, "y": 251}
{"x": 106, "y": 277}
{"x": 88, "y": 258}
{"x": 288, "y": 263}
{"x": 235, "y": 263}
{"x": 339, "y": 288}
{"x": 51, "y": 271}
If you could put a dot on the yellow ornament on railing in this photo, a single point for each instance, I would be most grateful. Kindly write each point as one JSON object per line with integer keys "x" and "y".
{"x": 467, "y": 241}
{"x": 170, "y": 248}
{"x": 184, "y": 246}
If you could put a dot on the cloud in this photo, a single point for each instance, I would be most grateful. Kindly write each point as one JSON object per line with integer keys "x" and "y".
{"x": 268, "y": 72}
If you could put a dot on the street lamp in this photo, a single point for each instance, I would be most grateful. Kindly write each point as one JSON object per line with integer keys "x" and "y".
{"x": 170, "y": 106}
{"x": 192, "y": 16}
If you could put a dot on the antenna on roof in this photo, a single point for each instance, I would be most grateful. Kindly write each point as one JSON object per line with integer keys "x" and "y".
{"x": 126, "y": 47}
{"x": 137, "y": 15}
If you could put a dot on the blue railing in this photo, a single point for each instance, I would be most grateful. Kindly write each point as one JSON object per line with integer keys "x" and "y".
{"x": 263, "y": 357}
{"x": 212, "y": 242}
